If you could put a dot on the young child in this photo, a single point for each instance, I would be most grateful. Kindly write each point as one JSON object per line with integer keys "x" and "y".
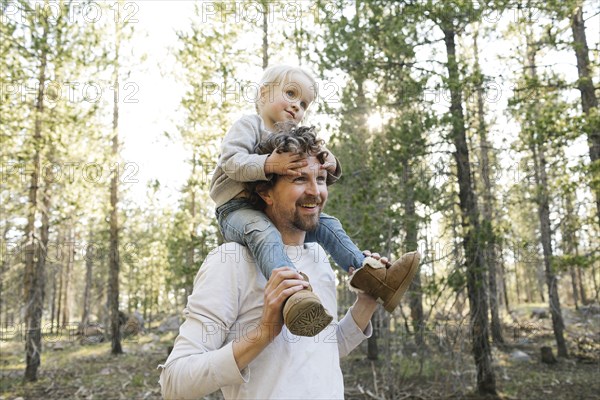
{"x": 285, "y": 93}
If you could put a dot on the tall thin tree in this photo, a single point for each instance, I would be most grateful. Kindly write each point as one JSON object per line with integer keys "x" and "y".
{"x": 114, "y": 259}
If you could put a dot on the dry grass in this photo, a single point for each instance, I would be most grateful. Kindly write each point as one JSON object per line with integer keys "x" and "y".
{"x": 443, "y": 370}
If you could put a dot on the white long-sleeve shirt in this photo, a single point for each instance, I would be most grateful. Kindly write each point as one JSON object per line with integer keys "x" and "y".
{"x": 226, "y": 304}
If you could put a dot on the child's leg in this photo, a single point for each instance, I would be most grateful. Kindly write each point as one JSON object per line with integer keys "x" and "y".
{"x": 331, "y": 235}
{"x": 242, "y": 224}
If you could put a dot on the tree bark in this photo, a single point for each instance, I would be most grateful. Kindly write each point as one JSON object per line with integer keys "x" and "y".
{"x": 486, "y": 381}
{"x": 415, "y": 296}
{"x": 5, "y": 263}
{"x": 545, "y": 230}
{"x": 582, "y": 294}
{"x": 53, "y": 302}
{"x": 89, "y": 264}
{"x": 503, "y": 277}
{"x": 488, "y": 206}
{"x": 372, "y": 348}
{"x": 114, "y": 259}
{"x": 543, "y": 201}
{"x": 66, "y": 307}
{"x": 569, "y": 233}
{"x": 589, "y": 101}
{"x": 34, "y": 271}
{"x": 60, "y": 293}
{"x": 265, "y": 41}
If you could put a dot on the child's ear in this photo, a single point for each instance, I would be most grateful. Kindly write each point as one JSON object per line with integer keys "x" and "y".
{"x": 262, "y": 95}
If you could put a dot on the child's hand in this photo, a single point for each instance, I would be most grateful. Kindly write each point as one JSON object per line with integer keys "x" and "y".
{"x": 330, "y": 163}
{"x": 285, "y": 163}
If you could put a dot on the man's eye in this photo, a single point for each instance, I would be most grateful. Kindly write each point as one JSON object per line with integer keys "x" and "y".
{"x": 291, "y": 94}
{"x": 303, "y": 104}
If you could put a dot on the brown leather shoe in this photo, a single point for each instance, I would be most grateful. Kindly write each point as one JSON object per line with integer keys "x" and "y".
{"x": 304, "y": 314}
{"x": 387, "y": 285}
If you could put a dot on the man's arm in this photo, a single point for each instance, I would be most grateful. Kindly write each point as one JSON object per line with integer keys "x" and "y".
{"x": 283, "y": 283}
{"x": 356, "y": 324}
{"x": 200, "y": 362}
{"x": 363, "y": 309}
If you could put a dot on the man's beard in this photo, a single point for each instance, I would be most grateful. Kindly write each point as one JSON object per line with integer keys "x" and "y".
{"x": 307, "y": 223}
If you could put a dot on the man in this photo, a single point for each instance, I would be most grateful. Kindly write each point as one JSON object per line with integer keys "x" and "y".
{"x": 233, "y": 338}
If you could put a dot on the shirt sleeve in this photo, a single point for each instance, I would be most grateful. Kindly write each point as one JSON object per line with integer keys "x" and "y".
{"x": 349, "y": 335}
{"x": 333, "y": 178}
{"x": 200, "y": 363}
{"x": 238, "y": 159}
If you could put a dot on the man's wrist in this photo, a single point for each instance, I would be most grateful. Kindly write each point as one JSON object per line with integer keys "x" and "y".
{"x": 362, "y": 310}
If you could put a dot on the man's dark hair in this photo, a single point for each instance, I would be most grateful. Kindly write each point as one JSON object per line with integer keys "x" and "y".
{"x": 288, "y": 138}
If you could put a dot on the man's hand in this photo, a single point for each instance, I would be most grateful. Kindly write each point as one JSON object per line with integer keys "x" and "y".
{"x": 285, "y": 163}
{"x": 283, "y": 283}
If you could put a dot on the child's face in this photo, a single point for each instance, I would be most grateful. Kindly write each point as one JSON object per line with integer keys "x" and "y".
{"x": 286, "y": 101}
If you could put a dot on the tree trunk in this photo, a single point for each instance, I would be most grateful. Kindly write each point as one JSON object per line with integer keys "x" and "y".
{"x": 517, "y": 286}
{"x": 89, "y": 263}
{"x": 265, "y": 42}
{"x": 114, "y": 259}
{"x": 541, "y": 180}
{"x": 551, "y": 281}
{"x": 66, "y": 307}
{"x": 415, "y": 295}
{"x": 5, "y": 263}
{"x": 372, "y": 348}
{"x": 488, "y": 207}
{"x": 574, "y": 287}
{"x": 34, "y": 271}
{"x": 192, "y": 246}
{"x": 53, "y": 303}
{"x": 486, "y": 381}
{"x": 503, "y": 277}
{"x": 569, "y": 233}
{"x": 582, "y": 294}
{"x": 589, "y": 101}
{"x": 60, "y": 293}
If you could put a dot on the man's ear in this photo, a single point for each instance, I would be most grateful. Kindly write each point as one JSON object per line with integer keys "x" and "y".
{"x": 265, "y": 194}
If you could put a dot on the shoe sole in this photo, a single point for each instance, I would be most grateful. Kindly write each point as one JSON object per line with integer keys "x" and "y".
{"x": 310, "y": 319}
{"x": 392, "y": 303}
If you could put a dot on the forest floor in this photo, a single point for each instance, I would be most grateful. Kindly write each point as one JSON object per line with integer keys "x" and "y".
{"x": 442, "y": 370}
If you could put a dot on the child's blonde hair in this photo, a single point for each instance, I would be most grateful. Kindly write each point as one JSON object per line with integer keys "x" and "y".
{"x": 278, "y": 74}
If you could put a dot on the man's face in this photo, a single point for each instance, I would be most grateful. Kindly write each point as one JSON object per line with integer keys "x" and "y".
{"x": 295, "y": 202}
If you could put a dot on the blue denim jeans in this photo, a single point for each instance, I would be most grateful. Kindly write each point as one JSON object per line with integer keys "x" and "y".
{"x": 240, "y": 222}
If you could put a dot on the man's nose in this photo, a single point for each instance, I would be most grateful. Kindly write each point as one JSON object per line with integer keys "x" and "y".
{"x": 295, "y": 105}
{"x": 312, "y": 188}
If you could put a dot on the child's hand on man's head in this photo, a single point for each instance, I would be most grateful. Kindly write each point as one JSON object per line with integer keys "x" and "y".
{"x": 285, "y": 163}
{"x": 330, "y": 163}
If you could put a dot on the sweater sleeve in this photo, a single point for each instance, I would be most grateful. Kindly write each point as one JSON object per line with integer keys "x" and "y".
{"x": 200, "y": 362}
{"x": 333, "y": 178}
{"x": 349, "y": 334}
{"x": 238, "y": 158}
